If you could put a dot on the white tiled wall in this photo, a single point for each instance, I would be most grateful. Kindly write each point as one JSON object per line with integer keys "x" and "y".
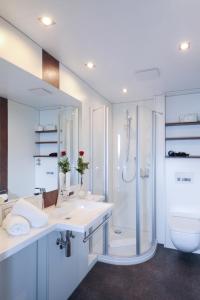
{"x": 182, "y": 196}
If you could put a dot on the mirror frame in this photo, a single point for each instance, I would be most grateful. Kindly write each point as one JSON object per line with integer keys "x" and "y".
{"x": 3, "y": 145}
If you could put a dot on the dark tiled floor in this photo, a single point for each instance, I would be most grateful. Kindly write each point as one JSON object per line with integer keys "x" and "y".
{"x": 170, "y": 275}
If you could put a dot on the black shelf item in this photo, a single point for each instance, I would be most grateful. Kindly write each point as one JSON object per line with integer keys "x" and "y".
{"x": 172, "y": 153}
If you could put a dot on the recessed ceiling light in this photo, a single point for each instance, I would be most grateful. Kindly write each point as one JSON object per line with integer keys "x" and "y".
{"x": 47, "y": 21}
{"x": 124, "y": 90}
{"x": 90, "y": 65}
{"x": 184, "y": 46}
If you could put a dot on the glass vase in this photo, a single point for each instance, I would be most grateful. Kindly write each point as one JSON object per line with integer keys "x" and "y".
{"x": 82, "y": 192}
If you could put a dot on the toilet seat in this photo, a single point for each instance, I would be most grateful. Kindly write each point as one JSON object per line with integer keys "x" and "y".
{"x": 185, "y": 224}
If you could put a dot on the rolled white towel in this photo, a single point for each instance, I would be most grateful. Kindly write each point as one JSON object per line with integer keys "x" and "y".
{"x": 34, "y": 215}
{"x": 16, "y": 225}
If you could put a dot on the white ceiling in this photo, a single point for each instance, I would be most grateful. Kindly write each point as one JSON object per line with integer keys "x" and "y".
{"x": 17, "y": 85}
{"x": 121, "y": 37}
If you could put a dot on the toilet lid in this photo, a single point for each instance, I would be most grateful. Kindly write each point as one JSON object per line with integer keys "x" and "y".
{"x": 186, "y": 225}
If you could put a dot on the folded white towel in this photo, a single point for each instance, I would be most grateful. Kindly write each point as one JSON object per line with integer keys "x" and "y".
{"x": 16, "y": 225}
{"x": 34, "y": 215}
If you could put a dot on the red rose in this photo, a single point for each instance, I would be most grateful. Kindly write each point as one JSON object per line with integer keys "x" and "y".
{"x": 63, "y": 153}
{"x": 81, "y": 153}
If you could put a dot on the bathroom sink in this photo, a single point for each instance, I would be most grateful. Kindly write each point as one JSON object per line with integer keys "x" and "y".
{"x": 79, "y": 215}
{"x": 74, "y": 207}
{"x": 61, "y": 212}
{"x": 73, "y": 215}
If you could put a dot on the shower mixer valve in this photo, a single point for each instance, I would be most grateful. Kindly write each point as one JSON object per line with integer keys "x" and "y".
{"x": 144, "y": 173}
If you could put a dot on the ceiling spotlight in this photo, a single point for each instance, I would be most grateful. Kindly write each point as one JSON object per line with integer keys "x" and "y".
{"x": 47, "y": 21}
{"x": 184, "y": 46}
{"x": 90, "y": 65}
{"x": 125, "y": 91}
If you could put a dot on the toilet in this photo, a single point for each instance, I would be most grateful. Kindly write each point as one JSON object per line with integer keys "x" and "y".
{"x": 185, "y": 231}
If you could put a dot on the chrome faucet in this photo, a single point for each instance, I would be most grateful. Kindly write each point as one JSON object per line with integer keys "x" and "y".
{"x": 41, "y": 191}
{"x": 64, "y": 242}
{"x": 3, "y": 192}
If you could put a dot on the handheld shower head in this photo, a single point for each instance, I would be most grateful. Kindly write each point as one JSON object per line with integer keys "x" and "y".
{"x": 128, "y": 116}
{"x": 128, "y": 145}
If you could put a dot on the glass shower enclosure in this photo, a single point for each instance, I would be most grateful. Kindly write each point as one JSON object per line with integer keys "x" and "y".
{"x": 131, "y": 235}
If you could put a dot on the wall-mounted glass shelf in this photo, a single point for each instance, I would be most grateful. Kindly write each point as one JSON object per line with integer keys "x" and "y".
{"x": 191, "y": 156}
{"x": 38, "y": 155}
{"x": 182, "y": 123}
{"x": 182, "y": 138}
{"x": 46, "y": 142}
{"x": 46, "y": 131}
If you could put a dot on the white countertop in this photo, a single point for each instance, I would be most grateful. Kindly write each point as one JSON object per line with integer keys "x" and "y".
{"x": 80, "y": 214}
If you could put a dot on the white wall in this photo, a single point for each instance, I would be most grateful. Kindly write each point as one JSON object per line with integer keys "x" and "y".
{"x": 178, "y": 105}
{"x": 21, "y": 148}
{"x": 16, "y": 48}
{"x": 182, "y": 196}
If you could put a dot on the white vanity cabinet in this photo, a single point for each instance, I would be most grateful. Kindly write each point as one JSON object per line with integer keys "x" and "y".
{"x": 18, "y": 275}
{"x": 41, "y": 271}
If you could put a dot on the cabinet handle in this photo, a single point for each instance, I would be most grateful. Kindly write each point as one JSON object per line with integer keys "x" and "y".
{"x": 49, "y": 173}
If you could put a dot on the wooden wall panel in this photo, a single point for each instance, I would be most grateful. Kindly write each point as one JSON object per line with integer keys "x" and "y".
{"x": 50, "y": 69}
{"x": 3, "y": 144}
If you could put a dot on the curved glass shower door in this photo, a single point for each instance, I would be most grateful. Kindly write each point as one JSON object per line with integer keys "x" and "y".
{"x": 145, "y": 198}
{"x": 122, "y": 230}
{"x": 132, "y": 231}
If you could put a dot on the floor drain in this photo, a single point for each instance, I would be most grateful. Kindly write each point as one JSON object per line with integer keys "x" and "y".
{"x": 117, "y": 231}
{"x": 68, "y": 218}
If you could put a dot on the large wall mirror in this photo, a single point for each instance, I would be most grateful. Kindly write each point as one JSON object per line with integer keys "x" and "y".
{"x": 42, "y": 123}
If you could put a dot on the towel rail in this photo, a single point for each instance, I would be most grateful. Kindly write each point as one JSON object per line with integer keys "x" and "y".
{"x": 106, "y": 220}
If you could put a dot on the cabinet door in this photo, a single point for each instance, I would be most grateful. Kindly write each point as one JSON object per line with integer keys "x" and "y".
{"x": 65, "y": 273}
{"x": 46, "y": 173}
{"x": 18, "y": 275}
